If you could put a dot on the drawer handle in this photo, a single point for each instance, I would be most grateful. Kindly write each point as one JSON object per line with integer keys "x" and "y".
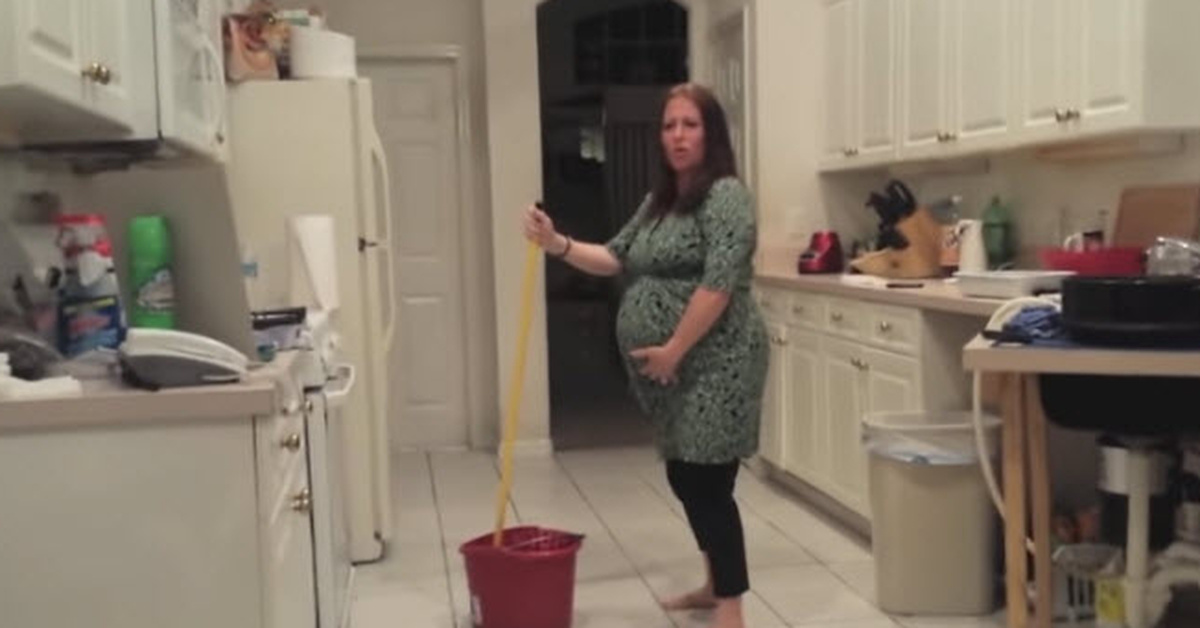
{"x": 885, "y": 326}
{"x": 837, "y": 317}
{"x": 291, "y": 442}
{"x": 302, "y": 501}
{"x": 859, "y": 364}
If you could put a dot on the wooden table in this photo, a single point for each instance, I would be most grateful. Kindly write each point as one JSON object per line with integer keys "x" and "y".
{"x": 1026, "y": 467}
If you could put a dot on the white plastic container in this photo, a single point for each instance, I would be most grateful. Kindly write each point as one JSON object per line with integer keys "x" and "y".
{"x": 1009, "y": 284}
{"x": 933, "y": 526}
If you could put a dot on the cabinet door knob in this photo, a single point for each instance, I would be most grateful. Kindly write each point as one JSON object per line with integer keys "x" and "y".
{"x": 837, "y": 317}
{"x": 97, "y": 73}
{"x": 291, "y": 442}
{"x": 885, "y": 326}
{"x": 797, "y": 309}
{"x": 302, "y": 501}
{"x": 1061, "y": 115}
{"x": 308, "y": 406}
{"x": 853, "y": 152}
{"x": 1074, "y": 114}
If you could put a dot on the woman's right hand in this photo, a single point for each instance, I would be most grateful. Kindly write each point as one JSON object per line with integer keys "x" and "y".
{"x": 539, "y": 228}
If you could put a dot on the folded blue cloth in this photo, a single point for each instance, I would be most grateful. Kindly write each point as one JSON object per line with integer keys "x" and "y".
{"x": 1036, "y": 325}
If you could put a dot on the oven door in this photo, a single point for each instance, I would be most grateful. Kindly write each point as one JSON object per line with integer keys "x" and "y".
{"x": 331, "y": 549}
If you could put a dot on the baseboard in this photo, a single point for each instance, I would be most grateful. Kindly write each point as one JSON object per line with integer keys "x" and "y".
{"x": 543, "y": 447}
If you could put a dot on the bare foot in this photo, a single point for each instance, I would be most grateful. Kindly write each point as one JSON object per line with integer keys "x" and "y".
{"x": 729, "y": 613}
{"x": 699, "y": 599}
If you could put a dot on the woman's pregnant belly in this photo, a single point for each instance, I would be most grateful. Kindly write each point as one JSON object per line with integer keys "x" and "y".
{"x": 650, "y": 311}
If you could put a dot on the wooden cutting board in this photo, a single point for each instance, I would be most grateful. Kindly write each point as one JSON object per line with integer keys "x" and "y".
{"x": 1147, "y": 212}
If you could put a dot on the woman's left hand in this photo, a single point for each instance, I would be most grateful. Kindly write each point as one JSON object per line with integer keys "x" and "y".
{"x": 659, "y": 364}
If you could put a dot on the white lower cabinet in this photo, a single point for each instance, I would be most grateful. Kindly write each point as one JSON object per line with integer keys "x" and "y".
{"x": 838, "y": 360}
{"x": 771, "y": 436}
{"x": 181, "y": 523}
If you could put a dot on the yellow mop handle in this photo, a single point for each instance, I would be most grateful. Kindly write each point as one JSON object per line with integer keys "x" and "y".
{"x": 532, "y": 257}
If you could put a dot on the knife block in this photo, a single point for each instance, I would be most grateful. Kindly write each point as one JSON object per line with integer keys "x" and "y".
{"x": 919, "y": 260}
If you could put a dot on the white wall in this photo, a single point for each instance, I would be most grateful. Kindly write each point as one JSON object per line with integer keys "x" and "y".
{"x": 378, "y": 24}
{"x": 514, "y": 139}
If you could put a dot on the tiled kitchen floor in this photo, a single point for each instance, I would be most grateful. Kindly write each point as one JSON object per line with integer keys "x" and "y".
{"x": 805, "y": 571}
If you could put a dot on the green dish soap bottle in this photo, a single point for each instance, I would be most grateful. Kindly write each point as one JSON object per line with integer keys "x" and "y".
{"x": 998, "y": 234}
{"x": 150, "y": 255}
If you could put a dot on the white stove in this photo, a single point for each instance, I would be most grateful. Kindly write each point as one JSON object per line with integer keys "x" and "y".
{"x": 327, "y": 382}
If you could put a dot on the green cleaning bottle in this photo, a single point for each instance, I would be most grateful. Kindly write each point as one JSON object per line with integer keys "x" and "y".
{"x": 998, "y": 234}
{"x": 150, "y": 273}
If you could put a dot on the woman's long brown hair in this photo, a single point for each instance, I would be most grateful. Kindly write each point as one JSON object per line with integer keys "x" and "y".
{"x": 718, "y": 162}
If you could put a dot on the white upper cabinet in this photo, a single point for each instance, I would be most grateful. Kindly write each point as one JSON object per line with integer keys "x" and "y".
{"x": 83, "y": 71}
{"x": 77, "y": 69}
{"x": 835, "y": 84}
{"x": 48, "y": 45}
{"x": 858, "y": 85}
{"x": 874, "y": 94}
{"x": 954, "y": 85}
{"x": 121, "y": 43}
{"x": 980, "y": 65}
{"x": 923, "y": 54}
{"x": 975, "y": 76}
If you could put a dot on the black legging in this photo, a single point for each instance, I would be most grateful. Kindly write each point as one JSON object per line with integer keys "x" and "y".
{"x": 706, "y": 491}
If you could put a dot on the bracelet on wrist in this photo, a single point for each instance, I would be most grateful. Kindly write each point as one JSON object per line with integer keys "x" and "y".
{"x": 566, "y": 248}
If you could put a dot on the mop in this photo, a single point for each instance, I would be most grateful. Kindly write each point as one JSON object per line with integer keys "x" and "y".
{"x": 513, "y": 408}
{"x": 529, "y": 581}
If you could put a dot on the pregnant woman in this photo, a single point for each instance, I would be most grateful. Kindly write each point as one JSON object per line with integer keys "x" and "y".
{"x": 693, "y": 340}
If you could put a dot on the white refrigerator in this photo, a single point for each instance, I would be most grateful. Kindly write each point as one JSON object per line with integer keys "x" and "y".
{"x": 310, "y": 147}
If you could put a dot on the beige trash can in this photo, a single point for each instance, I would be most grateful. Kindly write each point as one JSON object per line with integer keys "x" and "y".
{"x": 933, "y": 523}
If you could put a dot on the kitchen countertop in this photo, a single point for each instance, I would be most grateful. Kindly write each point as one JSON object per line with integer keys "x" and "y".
{"x": 108, "y": 402}
{"x": 935, "y": 294}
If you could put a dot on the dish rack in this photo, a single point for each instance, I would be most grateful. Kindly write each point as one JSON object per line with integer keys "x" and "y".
{"x": 1077, "y": 568}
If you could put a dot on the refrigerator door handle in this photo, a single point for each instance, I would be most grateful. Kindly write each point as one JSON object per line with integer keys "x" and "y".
{"x": 379, "y": 160}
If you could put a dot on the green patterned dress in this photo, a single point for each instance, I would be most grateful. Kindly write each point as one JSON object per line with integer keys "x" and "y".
{"x": 711, "y": 415}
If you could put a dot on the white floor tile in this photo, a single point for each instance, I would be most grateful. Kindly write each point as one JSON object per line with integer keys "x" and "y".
{"x": 806, "y": 570}
{"x": 811, "y": 594}
{"x": 622, "y": 603}
{"x": 992, "y": 621}
{"x": 424, "y": 604}
{"x": 859, "y": 576}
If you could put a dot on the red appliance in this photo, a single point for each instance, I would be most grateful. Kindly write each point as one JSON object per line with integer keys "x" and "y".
{"x": 824, "y": 254}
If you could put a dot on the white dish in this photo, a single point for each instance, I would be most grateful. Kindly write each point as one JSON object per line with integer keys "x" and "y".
{"x": 1010, "y": 284}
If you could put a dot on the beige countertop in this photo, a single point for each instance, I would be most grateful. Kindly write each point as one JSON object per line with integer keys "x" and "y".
{"x": 934, "y": 294}
{"x": 980, "y": 355}
{"x": 108, "y": 402}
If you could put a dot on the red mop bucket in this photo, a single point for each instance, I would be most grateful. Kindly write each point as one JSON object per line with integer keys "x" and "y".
{"x": 527, "y": 582}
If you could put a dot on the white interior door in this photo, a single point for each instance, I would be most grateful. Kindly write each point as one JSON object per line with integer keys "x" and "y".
{"x": 417, "y": 113}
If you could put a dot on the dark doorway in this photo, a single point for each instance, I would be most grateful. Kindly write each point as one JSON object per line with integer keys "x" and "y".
{"x": 603, "y": 67}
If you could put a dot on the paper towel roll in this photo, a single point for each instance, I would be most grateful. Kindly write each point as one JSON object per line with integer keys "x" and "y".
{"x": 313, "y": 261}
{"x": 319, "y": 53}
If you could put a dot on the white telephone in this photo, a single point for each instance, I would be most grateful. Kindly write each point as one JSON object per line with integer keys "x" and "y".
{"x": 160, "y": 358}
